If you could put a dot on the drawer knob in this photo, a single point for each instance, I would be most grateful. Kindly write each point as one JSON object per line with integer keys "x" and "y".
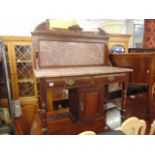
{"x": 70, "y": 82}
{"x": 148, "y": 71}
{"x": 111, "y": 78}
{"x": 51, "y": 84}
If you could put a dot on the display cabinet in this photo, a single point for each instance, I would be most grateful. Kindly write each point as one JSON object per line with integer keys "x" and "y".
{"x": 20, "y": 66}
{"x": 118, "y": 43}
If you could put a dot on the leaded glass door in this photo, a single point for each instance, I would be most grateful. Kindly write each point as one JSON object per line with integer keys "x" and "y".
{"x": 24, "y": 69}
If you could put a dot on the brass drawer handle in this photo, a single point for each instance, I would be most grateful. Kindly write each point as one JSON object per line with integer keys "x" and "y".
{"x": 70, "y": 82}
{"x": 81, "y": 106}
{"x": 111, "y": 78}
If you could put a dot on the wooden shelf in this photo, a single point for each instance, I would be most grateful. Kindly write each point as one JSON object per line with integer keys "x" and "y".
{"x": 23, "y": 61}
{"x": 57, "y": 111}
{"x": 26, "y": 80}
{"x": 60, "y": 98}
{"x": 25, "y": 98}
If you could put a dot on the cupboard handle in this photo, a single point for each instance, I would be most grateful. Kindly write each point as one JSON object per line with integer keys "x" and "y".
{"x": 81, "y": 106}
{"x": 70, "y": 82}
{"x": 148, "y": 71}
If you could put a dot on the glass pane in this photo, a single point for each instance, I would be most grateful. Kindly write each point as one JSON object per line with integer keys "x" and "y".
{"x": 26, "y": 89}
{"x": 117, "y": 49}
{"x": 24, "y": 70}
{"x": 60, "y": 98}
{"x": 138, "y": 35}
{"x": 23, "y": 53}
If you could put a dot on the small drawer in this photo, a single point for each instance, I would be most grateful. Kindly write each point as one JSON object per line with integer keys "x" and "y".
{"x": 83, "y": 81}
{"x": 69, "y": 82}
{"x": 76, "y": 82}
{"x": 55, "y": 83}
{"x": 110, "y": 78}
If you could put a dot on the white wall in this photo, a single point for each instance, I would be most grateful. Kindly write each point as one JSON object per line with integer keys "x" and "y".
{"x": 18, "y": 27}
{"x": 24, "y": 27}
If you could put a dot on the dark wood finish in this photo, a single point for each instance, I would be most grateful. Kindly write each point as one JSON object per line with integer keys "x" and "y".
{"x": 140, "y": 50}
{"x": 87, "y": 96}
{"x": 139, "y": 62}
{"x": 69, "y": 128}
{"x": 89, "y": 103}
{"x": 74, "y": 61}
{"x": 43, "y": 105}
{"x": 134, "y": 107}
{"x": 143, "y": 65}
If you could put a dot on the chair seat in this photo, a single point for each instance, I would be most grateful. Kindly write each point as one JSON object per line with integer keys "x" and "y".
{"x": 137, "y": 88}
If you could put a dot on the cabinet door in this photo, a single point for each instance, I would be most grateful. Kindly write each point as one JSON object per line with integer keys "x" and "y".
{"x": 24, "y": 69}
{"x": 91, "y": 102}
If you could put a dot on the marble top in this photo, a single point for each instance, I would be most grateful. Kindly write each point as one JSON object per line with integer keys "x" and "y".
{"x": 75, "y": 71}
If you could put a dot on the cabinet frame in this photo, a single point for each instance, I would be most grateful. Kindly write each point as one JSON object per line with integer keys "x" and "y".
{"x": 11, "y": 42}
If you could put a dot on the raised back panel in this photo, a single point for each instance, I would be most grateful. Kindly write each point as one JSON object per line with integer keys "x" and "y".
{"x": 60, "y": 53}
{"x": 68, "y": 48}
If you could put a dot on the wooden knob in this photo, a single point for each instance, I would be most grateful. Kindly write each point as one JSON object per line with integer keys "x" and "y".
{"x": 51, "y": 84}
{"x": 148, "y": 71}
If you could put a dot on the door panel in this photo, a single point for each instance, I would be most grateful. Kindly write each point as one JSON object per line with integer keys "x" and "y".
{"x": 91, "y": 102}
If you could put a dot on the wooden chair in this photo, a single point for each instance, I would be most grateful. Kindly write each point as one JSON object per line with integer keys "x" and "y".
{"x": 152, "y": 129}
{"x": 87, "y": 133}
{"x": 133, "y": 126}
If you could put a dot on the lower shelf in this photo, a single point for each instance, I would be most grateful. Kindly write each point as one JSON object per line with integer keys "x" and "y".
{"x": 59, "y": 105}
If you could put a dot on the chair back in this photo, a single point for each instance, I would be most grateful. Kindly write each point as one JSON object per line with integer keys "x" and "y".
{"x": 133, "y": 126}
{"x": 152, "y": 129}
{"x": 87, "y": 133}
